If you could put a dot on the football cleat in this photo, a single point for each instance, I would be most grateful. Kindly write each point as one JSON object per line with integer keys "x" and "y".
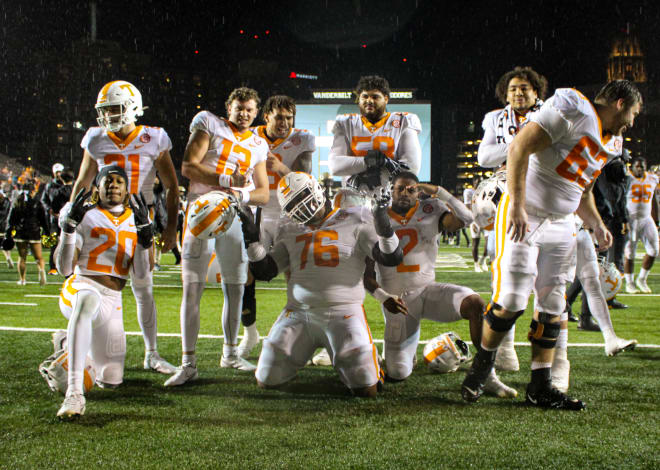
{"x": 552, "y": 398}
{"x": 496, "y": 387}
{"x": 561, "y": 369}
{"x": 631, "y": 289}
{"x": 477, "y": 267}
{"x": 183, "y": 374}
{"x": 322, "y": 358}
{"x": 642, "y": 286}
{"x": 72, "y": 407}
{"x": 236, "y": 362}
{"x": 473, "y": 386}
{"x": 484, "y": 265}
{"x": 21, "y": 282}
{"x": 153, "y": 361}
{"x": 619, "y": 345}
{"x": 52, "y": 272}
{"x": 506, "y": 358}
{"x": 249, "y": 342}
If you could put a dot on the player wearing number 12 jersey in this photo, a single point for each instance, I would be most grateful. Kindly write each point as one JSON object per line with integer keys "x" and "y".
{"x": 551, "y": 166}
{"x": 141, "y": 151}
{"x": 222, "y": 154}
{"x": 640, "y": 202}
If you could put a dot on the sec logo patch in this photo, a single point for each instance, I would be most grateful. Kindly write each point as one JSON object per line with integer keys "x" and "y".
{"x": 145, "y": 138}
{"x": 427, "y": 209}
{"x": 396, "y": 123}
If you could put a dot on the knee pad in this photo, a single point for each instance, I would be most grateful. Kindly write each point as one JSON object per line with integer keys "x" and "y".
{"x": 514, "y": 302}
{"x": 500, "y": 324}
{"x": 544, "y": 332}
{"x": 111, "y": 374}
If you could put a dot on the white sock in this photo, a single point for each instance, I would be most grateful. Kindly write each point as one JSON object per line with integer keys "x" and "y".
{"x": 231, "y": 312}
{"x": 562, "y": 343}
{"x": 629, "y": 277}
{"x": 229, "y": 350}
{"x": 79, "y": 336}
{"x": 146, "y": 310}
{"x": 643, "y": 274}
{"x": 191, "y": 296}
{"x": 507, "y": 341}
{"x": 598, "y": 305}
{"x": 251, "y": 331}
{"x": 189, "y": 360}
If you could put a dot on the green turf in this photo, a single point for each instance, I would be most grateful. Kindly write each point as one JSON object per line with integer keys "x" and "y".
{"x": 224, "y": 421}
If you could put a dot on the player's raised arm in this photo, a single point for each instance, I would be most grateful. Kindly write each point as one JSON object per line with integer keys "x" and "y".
{"x": 87, "y": 173}
{"x": 409, "y": 151}
{"x": 460, "y": 215}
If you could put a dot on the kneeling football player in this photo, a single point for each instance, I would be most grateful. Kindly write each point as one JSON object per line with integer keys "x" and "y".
{"x": 100, "y": 244}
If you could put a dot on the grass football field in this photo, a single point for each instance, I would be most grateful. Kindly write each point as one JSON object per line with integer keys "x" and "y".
{"x": 224, "y": 421}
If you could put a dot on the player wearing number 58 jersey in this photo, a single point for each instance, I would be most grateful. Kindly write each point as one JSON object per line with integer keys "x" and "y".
{"x": 141, "y": 151}
{"x": 222, "y": 154}
{"x": 642, "y": 207}
{"x": 393, "y": 134}
{"x": 551, "y": 166}
{"x": 324, "y": 249}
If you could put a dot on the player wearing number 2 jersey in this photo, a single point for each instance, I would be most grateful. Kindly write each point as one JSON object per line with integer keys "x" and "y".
{"x": 222, "y": 154}
{"x": 642, "y": 206}
{"x": 551, "y": 166}
{"x": 141, "y": 151}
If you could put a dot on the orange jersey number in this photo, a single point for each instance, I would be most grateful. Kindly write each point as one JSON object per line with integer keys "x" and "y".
{"x": 110, "y": 241}
{"x": 272, "y": 183}
{"x": 641, "y": 193}
{"x": 411, "y": 233}
{"x": 324, "y": 255}
{"x": 382, "y": 143}
{"x": 130, "y": 164}
{"x": 233, "y": 158}
{"x": 574, "y": 165}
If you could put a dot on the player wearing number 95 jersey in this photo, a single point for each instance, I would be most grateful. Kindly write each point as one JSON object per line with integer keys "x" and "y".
{"x": 222, "y": 154}
{"x": 100, "y": 245}
{"x": 324, "y": 249}
{"x": 141, "y": 151}
{"x": 551, "y": 166}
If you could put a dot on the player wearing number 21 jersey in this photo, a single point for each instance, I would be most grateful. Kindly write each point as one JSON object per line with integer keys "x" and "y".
{"x": 551, "y": 166}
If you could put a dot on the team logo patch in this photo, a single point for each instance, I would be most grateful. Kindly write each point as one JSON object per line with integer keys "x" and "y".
{"x": 145, "y": 138}
{"x": 396, "y": 123}
{"x": 295, "y": 140}
{"x": 617, "y": 144}
{"x": 257, "y": 141}
{"x": 428, "y": 208}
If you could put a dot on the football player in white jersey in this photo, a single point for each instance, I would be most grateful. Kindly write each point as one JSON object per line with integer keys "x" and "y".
{"x": 642, "y": 207}
{"x": 99, "y": 246}
{"x": 222, "y": 154}
{"x": 521, "y": 91}
{"x": 141, "y": 151}
{"x": 480, "y": 264}
{"x": 551, "y": 166}
{"x": 324, "y": 249}
{"x": 290, "y": 149}
{"x": 375, "y": 139}
{"x": 412, "y": 283}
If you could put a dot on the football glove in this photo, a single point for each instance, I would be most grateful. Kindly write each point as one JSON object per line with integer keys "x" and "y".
{"x": 382, "y": 223}
{"x": 376, "y": 159}
{"x": 249, "y": 227}
{"x": 145, "y": 229}
{"x": 79, "y": 208}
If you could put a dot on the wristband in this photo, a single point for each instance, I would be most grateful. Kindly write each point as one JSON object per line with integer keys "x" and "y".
{"x": 389, "y": 244}
{"x": 380, "y": 295}
{"x": 245, "y": 195}
{"x": 68, "y": 238}
{"x": 443, "y": 195}
{"x": 256, "y": 252}
{"x": 224, "y": 181}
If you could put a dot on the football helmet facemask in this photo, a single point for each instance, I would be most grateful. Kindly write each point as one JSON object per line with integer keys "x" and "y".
{"x": 445, "y": 353}
{"x": 119, "y": 94}
{"x": 301, "y": 197}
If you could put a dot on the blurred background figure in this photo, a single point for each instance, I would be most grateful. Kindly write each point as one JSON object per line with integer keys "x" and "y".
{"x": 54, "y": 196}
{"x": 5, "y": 206}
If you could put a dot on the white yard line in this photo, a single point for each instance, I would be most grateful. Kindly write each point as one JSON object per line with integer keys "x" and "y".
{"x": 20, "y": 304}
{"x": 45, "y": 296}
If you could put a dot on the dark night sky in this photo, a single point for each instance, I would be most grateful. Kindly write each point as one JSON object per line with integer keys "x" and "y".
{"x": 455, "y": 51}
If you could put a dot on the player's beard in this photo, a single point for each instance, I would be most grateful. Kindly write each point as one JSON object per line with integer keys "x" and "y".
{"x": 374, "y": 114}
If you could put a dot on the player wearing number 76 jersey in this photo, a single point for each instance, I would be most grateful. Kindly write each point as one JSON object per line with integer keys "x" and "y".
{"x": 141, "y": 151}
{"x": 551, "y": 166}
{"x": 324, "y": 249}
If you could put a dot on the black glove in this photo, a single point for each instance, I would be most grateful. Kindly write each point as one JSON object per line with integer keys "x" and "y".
{"x": 369, "y": 178}
{"x": 375, "y": 159}
{"x": 78, "y": 210}
{"x": 382, "y": 222}
{"x": 249, "y": 227}
{"x": 395, "y": 167}
{"x": 145, "y": 230}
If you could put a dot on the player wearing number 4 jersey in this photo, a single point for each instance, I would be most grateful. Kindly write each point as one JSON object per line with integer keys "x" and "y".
{"x": 324, "y": 249}
{"x": 551, "y": 166}
{"x": 99, "y": 245}
{"x": 643, "y": 214}
{"x": 410, "y": 287}
{"x": 141, "y": 151}
{"x": 222, "y": 154}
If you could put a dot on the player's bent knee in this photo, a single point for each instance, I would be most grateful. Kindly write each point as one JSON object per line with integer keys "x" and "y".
{"x": 514, "y": 302}
{"x": 472, "y": 306}
{"x": 399, "y": 370}
{"x": 366, "y": 392}
{"x": 544, "y": 331}
{"x": 498, "y": 322}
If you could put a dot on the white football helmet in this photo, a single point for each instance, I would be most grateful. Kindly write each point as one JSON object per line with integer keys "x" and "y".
{"x": 446, "y": 352}
{"x": 370, "y": 182}
{"x": 122, "y": 94}
{"x": 485, "y": 200}
{"x": 57, "y": 167}
{"x": 212, "y": 214}
{"x": 610, "y": 279}
{"x": 55, "y": 370}
{"x": 301, "y": 197}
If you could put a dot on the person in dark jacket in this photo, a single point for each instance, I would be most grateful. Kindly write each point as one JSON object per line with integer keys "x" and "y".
{"x": 5, "y": 206}
{"x": 28, "y": 219}
{"x": 54, "y": 197}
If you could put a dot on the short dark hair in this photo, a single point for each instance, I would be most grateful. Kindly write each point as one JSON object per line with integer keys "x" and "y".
{"x": 638, "y": 159}
{"x": 372, "y": 82}
{"x": 276, "y": 102}
{"x": 243, "y": 94}
{"x": 405, "y": 174}
{"x": 539, "y": 82}
{"x": 619, "y": 89}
